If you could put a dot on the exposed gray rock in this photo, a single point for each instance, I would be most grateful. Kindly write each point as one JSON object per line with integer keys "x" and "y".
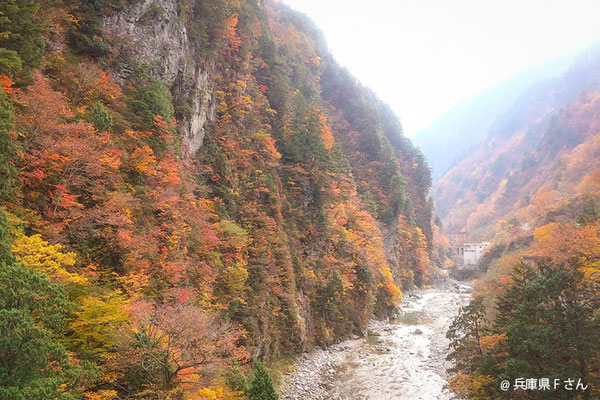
{"x": 153, "y": 32}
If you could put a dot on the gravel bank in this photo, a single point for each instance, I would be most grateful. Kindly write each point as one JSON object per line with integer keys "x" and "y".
{"x": 401, "y": 359}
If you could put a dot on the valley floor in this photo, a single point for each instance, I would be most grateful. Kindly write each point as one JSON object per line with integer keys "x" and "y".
{"x": 399, "y": 359}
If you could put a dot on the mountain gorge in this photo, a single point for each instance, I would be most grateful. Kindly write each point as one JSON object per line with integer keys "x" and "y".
{"x": 194, "y": 194}
{"x": 189, "y": 189}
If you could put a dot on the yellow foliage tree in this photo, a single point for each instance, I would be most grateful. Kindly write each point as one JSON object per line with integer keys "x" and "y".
{"x": 144, "y": 161}
{"x": 473, "y": 387}
{"x": 236, "y": 278}
{"x": 96, "y": 322}
{"x": 34, "y": 252}
{"x": 101, "y": 395}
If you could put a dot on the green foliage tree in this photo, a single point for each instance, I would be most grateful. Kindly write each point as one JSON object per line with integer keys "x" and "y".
{"x": 550, "y": 317}
{"x": 33, "y": 311}
{"x": 100, "y": 117}
{"x": 21, "y": 45}
{"x": 261, "y": 385}
{"x": 330, "y": 303}
{"x": 465, "y": 334}
{"x": 85, "y": 37}
{"x": 152, "y": 98}
{"x": 8, "y": 172}
{"x": 473, "y": 353}
{"x": 10, "y": 62}
{"x": 305, "y": 144}
{"x": 236, "y": 378}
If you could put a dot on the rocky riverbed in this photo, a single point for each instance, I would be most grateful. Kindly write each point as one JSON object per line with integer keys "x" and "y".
{"x": 399, "y": 359}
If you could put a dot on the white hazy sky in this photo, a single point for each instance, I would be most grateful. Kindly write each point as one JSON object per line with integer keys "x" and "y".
{"x": 424, "y": 56}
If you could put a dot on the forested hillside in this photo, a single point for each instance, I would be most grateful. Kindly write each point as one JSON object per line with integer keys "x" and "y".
{"x": 189, "y": 188}
{"x": 532, "y": 189}
{"x": 516, "y": 171}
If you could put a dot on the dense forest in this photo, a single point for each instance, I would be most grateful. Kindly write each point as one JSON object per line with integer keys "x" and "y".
{"x": 532, "y": 188}
{"x": 190, "y": 189}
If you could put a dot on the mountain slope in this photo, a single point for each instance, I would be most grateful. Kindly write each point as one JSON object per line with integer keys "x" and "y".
{"x": 203, "y": 186}
{"x": 523, "y": 150}
{"x": 533, "y": 190}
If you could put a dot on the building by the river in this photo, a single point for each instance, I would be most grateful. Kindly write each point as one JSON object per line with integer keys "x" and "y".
{"x": 469, "y": 253}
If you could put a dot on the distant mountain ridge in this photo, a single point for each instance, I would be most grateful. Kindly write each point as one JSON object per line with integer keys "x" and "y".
{"x": 531, "y": 187}
{"x": 452, "y": 135}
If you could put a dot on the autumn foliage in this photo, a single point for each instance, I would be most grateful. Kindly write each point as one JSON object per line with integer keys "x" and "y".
{"x": 299, "y": 219}
{"x": 533, "y": 189}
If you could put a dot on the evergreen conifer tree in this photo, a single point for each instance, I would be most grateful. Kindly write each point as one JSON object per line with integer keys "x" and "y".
{"x": 261, "y": 385}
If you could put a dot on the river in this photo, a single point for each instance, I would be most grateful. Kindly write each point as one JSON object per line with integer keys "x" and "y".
{"x": 401, "y": 359}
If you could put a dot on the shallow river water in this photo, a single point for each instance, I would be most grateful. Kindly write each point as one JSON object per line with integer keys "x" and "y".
{"x": 401, "y": 359}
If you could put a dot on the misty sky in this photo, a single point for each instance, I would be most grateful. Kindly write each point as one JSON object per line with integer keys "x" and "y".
{"x": 425, "y": 56}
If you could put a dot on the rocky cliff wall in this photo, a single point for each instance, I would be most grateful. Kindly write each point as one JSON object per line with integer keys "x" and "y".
{"x": 153, "y": 33}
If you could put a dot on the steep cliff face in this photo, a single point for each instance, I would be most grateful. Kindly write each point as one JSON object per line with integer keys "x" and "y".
{"x": 214, "y": 177}
{"x": 154, "y": 33}
{"x": 275, "y": 57}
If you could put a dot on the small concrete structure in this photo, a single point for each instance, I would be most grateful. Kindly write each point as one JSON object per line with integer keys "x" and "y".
{"x": 469, "y": 253}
